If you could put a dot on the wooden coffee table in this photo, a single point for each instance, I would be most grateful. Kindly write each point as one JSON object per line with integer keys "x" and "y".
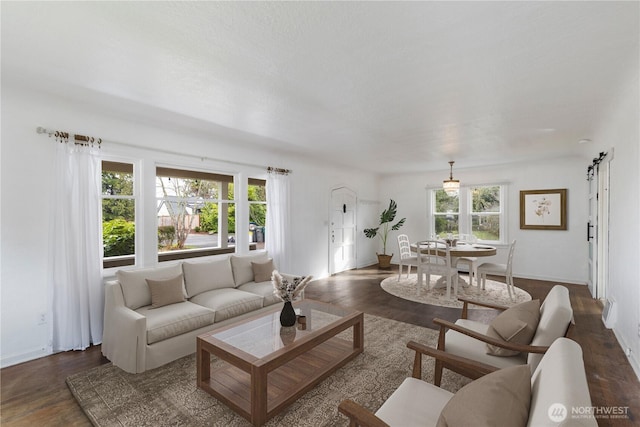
{"x": 268, "y": 367}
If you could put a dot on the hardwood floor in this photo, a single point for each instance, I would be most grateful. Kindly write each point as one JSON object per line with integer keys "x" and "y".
{"x": 35, "y": 393}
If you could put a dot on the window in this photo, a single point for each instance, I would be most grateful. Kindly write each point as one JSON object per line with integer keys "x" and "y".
{"x": 196, "y": 213}
{"x": 446, "y": 213}
{"x": 486, "y": 213}
{"x": 477, "y": 210}
{"x": 257, "y": 198}
{"x": 118, "y": 214}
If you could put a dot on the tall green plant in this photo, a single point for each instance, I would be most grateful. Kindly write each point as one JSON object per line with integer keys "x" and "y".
{"x": 386, "y": 218}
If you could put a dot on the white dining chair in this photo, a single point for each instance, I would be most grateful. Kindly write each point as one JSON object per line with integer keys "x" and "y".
{"x": 472, "y": 262}
{"x": 505, "y": 270}
{"x": 406, "y": 256}
{"x": 434, "y": 257}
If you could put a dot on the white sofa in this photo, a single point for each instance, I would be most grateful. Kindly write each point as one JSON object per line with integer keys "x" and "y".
{"x": 137, "y": 337}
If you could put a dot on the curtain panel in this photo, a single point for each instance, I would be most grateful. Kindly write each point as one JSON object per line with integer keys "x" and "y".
{"x": 76, "y": 249}
{"x": 278, "y": 241}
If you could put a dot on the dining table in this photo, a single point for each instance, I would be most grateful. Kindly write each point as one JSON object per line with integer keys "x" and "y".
{"x": 462, "y": 249}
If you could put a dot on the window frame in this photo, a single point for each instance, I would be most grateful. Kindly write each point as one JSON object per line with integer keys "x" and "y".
{"x": 191, "y": 173}
{"x": 131, "y": 260}
{"x": 465, "y": 211}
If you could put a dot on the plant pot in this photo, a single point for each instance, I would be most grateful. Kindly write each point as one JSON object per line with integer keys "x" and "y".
{"x": 384, "y": 260}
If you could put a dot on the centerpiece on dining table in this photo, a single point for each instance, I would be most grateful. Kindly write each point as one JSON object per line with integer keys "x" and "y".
{"x": 288, "y": 289}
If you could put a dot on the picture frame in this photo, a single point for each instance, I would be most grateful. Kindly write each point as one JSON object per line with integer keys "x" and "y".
{"x": 543, "y": 209}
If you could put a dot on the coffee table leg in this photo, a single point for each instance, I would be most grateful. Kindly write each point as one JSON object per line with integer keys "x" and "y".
{"x": 258, "y": 395}
{"x": 203, "y": 364}
{"x": 358, "y": 335}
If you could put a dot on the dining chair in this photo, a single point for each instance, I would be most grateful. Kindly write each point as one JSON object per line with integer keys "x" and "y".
{"x": 505, "y": 270}
{"x": 434, "y": 257}
{"x": 406, "y": 256}
{"x": 472, "y": 262}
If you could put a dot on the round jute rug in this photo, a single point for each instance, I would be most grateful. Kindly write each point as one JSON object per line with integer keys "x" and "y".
{"x": 494, "y": 292}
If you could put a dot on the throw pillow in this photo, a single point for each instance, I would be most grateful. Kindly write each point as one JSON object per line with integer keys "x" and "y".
{"x": 501, "y": 398}
{"x": 516, "y": 325}
{"x": 262, "y": 270}
{"x": 165, "y": 292}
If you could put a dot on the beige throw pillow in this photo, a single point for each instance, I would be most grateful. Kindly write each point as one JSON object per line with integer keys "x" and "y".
{"x": 501, "y": 398}
{"x": 262, "y": 270}
{"x": 516, "y": 325}
{"x": 165, "y": 292}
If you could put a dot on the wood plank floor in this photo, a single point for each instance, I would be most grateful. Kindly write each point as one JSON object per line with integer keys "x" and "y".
{"x": 35, "y": 394}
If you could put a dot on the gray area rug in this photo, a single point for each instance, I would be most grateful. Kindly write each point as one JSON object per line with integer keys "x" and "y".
{"x": 494, "y": 292}
{"x": 168, "y": 396}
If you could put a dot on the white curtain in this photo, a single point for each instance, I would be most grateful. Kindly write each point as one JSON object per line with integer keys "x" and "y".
{"x": 76, "y": 249}
{"x": 278, "y": 242}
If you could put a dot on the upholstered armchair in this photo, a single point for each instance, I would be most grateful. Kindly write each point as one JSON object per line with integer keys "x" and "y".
{"x": 511, "y": 396}
{"x": 509, "y": 340}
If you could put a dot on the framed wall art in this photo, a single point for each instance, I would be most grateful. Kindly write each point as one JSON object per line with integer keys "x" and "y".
{"x": 543, "y": 209}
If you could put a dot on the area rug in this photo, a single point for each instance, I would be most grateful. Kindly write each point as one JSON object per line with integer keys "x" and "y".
{"x": 168, "y": 396}
{"x": 494, "y": 292}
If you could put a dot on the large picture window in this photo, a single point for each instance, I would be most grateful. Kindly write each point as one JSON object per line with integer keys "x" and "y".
{"x": 118, "y": 214}
{"x": 477, "y": 210}
{"x": 196, "y": 213}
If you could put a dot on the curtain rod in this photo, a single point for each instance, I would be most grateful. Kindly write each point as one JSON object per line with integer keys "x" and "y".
{"x": 89, "y": 139}
{"x": 64, "y": 136}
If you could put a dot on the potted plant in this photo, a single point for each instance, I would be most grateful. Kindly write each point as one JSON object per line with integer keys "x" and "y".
{"x": 382, "y": 230}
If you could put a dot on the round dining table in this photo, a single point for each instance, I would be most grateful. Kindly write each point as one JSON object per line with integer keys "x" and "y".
{"x": 462, "y": 249}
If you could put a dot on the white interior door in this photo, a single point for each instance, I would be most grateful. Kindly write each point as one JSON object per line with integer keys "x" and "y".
{"x": 598, "y": 228}
{"x": 342, "y": 230}
{"x": 592, "y": 226}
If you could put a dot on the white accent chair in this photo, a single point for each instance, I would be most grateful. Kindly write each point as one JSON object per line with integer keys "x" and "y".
{"x": 472, "y": 262}
{"x": 558, "y": 384}
{"x": 406, "y": 256}
{"x": 468, "y": 338}
{"x": 505, "y": 270}
{"x": 434, "y": 257}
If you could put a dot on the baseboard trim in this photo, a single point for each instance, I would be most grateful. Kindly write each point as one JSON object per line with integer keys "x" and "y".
{"x": 632, "y": 357}
{"x": 24, "y": 357}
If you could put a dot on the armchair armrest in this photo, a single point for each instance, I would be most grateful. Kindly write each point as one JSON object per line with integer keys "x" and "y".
{"x": 444, "y": 324}
{"x": 467, "y": 364}
{"x": 467, "y": 301}
{"x": 359, "y": 416}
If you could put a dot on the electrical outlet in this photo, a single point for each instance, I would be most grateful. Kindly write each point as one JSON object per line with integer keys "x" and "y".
{"x": 628, "y": 352}
{"x": 42, "y": 318}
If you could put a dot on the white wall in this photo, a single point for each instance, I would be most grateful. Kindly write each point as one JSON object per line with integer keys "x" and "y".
{"x": 541, "y": 254}
{"x": 27, "y": 168}
{"x": 621, "y": 132}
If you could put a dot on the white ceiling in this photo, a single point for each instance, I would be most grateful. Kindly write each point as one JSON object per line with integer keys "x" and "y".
{"x": 381, "y": 86}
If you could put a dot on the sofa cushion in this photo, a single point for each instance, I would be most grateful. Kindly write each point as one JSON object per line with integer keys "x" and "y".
{"x": 228, "y": 302}
{"x": 264, "y": 289}
{"x": 262, "y": 270}
{"x": 201, "y": 277}
{"x": 241, "y": 266}
{"x": 471, "y": 348}
{"x": 134, "y": 286}
{"x": 516, "y": 325}
{"x": 165, "y": 292}
{"x": 175, "y": 319}
{"x": 501, "y": 398}
{"x": 414, "y": 403}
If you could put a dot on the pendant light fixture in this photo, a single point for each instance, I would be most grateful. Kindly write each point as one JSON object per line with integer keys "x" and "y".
{"x": 451, "y": 186}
